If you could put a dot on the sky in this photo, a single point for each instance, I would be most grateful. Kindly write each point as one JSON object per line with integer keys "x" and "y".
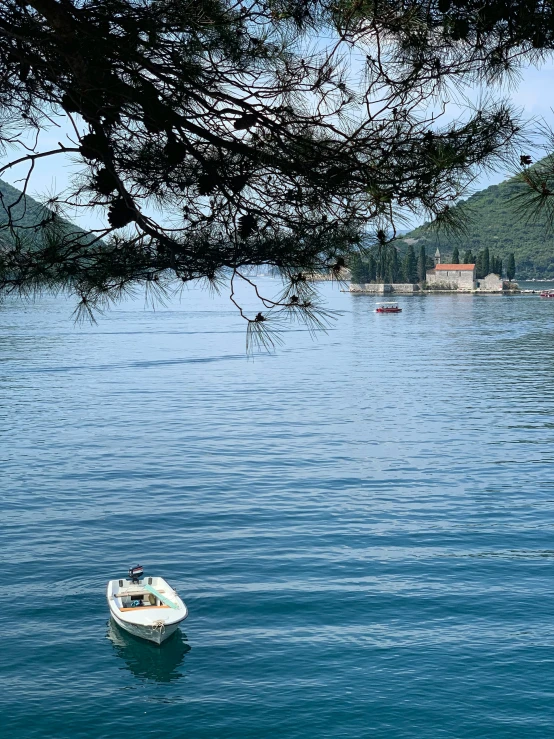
{"x": 532, "y": 95}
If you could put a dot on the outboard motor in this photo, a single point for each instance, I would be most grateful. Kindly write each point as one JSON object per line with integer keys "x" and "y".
{"x": 135, "y": 573}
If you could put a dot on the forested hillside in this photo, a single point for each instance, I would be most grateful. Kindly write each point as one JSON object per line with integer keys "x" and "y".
{"x": 26, "y": 214}
{"x": 491, "y": 216}
{"x": 493, "y": 221}
{"x": 25, "y": 211}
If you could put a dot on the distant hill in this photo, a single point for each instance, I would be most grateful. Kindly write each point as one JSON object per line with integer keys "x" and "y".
{"x": 493, "y": 220}
{"x": 27, "y": 213}
{"x": 491, "y": 216}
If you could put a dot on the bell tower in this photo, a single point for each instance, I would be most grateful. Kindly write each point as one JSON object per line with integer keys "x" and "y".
{"x": 437, "y": 257}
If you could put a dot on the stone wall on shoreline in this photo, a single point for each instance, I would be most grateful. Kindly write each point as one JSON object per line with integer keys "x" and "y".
{"x": 382, "y": 288}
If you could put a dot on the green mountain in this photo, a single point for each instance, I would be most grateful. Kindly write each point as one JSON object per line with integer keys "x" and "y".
{"x": 493, "y": 219}
{"x": 491, "y": 216}
{"x": 26, "y": 213}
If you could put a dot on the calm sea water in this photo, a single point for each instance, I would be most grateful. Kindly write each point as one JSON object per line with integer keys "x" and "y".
{"x": 361, "y": 525}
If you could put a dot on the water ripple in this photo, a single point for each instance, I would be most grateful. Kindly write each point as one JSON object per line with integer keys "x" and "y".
{"x": 360, "y": 525}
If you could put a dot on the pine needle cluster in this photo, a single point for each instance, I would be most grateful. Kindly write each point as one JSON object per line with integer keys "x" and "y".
{"x": 220, "y": 134}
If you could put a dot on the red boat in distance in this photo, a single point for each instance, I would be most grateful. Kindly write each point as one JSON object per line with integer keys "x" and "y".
{"x": 388, "y": 308}
{"x": 547, "y": 294}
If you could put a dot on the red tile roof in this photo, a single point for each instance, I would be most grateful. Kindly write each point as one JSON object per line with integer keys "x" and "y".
{"x": 463, "y": 267}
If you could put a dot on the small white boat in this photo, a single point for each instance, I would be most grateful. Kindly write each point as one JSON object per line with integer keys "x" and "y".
{"x": 147, "y": 607}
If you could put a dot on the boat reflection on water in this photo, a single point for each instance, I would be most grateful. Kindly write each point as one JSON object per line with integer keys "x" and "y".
{"x": 147, "y": 660}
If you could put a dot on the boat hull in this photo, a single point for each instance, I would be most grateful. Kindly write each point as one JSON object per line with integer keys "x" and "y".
{"x": 148, "y": 610}
{"x": 150, "y": 633}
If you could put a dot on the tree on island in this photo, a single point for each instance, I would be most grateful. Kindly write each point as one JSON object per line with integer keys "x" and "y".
{"x": 382, "y": 264}
{"x": 219, "y": 135}
{"x": 371, "y": 268}
{"x": 358, "y": 269}
{"x": 392, "y": 268}
{"x": 422, "y": 264}
{"x": 455, "y": 256}
{"x": 468, "y": 257}
{"x": 511, "y": 267}
{"x": 486, "y": 262}
{"x": 409, "y": 265}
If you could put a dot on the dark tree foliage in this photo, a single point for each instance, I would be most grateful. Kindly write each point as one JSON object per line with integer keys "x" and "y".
{"x": 536, "y": 201}
{"x": 456, "y": 256}
{"x": 496, "y": 265}
{"x": 486, "y": 261}
{"x": 468, "y": 257}
{"x": 388, "y": 272}
{"x": 410, "y": 265}
{"x": 479, "y": 269}
{"x": 216, "y": 135}
{"x": 381, "y": 264}
{"x": 371, "y": 268}
{"x": 422, "y": 264}
{"x": 511, "y": 267}
{"x": 393, "y": 266}
{"x": 359, "y": 270}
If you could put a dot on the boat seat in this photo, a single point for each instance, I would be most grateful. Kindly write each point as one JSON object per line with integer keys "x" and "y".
{"x": 132, "y": 596}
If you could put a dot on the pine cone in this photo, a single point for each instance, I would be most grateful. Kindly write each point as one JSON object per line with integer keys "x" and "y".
{"x": 119, "y": 215}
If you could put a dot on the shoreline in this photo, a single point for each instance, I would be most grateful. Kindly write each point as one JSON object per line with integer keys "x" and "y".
{"x": 419, "y": 293}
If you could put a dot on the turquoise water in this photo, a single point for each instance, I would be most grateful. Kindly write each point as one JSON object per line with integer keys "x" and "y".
{"x": 361, "y": 525}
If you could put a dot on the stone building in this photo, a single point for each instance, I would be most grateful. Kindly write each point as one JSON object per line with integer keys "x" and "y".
{"x": 451, "y": 276}
{"x": 491, "y": 284}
